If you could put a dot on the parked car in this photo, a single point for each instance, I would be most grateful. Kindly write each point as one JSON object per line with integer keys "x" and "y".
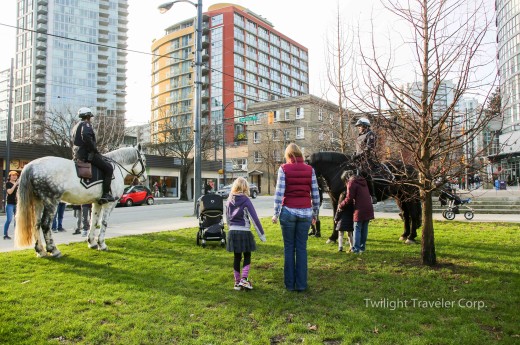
{"x": 224, "y": 191}
{"x": 136, "y": 195}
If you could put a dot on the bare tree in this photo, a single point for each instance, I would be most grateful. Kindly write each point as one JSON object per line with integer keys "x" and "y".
{"x": 339, "y": 60}
{"x": 447, "y": 40}
{"x": 175, "y": 138}
{"x": 54, "y": 128}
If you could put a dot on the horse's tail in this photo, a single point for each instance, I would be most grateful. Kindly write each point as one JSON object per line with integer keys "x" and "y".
{"x": 25, "y": 210}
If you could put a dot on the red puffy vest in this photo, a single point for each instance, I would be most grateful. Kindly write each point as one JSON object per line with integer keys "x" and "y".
{"x": 298, "y": 184}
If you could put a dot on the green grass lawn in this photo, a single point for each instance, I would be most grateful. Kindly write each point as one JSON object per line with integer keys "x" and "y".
{"x": 163, "y": 289}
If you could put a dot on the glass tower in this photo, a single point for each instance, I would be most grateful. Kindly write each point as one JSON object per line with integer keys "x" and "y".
{"x": 69, "y": 54}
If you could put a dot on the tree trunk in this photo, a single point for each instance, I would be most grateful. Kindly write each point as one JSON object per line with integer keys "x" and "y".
{"x": 184, "y": 184}
{"x": 428, "y": 241}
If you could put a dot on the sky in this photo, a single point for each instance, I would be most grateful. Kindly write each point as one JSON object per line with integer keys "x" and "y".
{"x": 306, "y": 24}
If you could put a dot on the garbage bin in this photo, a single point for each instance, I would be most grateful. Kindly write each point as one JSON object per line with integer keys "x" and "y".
{"x": 503, "y": 185}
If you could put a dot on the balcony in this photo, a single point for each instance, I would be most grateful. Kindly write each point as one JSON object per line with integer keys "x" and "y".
{"x": 42, "y": 9}
{"x": 41, "y": 45}
{"x": 39, "y": 91}
{"x": 40, "y": 81}
{"x": 42, "y": 18}
{"x": 40, "y": 72}
{"x": 41, "y": 63}
{"x": 42, "y": 2}
{"x": 41, "y": 27}
{"x": 102, "y": 71}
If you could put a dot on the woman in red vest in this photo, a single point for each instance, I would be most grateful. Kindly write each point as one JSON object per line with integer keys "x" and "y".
{"x": 296, "y": 204}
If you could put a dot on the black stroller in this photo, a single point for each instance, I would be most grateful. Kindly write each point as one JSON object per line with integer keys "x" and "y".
{"x": 453, "y": 201}
{"x": 210, "y": 212}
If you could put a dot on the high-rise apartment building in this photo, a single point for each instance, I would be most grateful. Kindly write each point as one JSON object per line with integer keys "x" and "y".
{"x": 4, "y": 101}
{"x": 69, "y": 54}
{"x": 246, "y": 61}
{"x": 508, "y": 38}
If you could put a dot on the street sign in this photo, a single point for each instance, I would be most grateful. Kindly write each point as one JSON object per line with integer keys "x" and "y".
{"x": 248, "y": 118}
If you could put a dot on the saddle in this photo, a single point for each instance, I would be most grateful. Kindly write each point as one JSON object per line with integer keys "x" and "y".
{"x": 88, "y": 174}
{"x": 84, "y": 169}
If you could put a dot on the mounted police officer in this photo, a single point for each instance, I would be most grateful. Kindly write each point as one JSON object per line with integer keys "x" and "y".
{"x": 365, "y": 152}
{"x": 85, "y": 149}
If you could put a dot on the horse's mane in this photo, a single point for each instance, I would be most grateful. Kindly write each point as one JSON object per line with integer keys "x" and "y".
{"x": 327, "y": 157}
{"x": 124, "y": 155}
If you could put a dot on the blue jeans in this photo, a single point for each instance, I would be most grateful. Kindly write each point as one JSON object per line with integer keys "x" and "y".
{"x": 58, "y": 217}
{"x": 10, "y": 211}
{"x": 360, "y": 236}
{"x": 295, "y": 232}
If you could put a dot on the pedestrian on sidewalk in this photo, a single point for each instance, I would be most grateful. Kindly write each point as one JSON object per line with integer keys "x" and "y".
{"x": 82, "y": 214}
{"x": 11, "y": 187}
{"x": 57, "y": 221}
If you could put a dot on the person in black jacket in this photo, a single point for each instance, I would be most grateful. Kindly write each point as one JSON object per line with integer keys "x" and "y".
{"x": 344, "y": 219}
{"x": 85, "y": 149}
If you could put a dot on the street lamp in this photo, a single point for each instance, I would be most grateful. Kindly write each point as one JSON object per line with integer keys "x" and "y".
{"x": 197, "y": 176}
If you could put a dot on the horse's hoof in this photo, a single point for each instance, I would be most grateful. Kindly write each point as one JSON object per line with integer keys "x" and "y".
{"x": 92, "y": 245}
{"x": 41, "y": 254}
{"x": 103, "y": 247}
{"x": 56, "y": 253}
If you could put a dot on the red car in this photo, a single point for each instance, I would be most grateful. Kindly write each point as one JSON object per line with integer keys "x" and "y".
{"x": 136, "y": 195}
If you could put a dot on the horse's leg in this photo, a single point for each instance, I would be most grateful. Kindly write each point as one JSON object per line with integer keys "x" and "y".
{"x": 49, "y": 209}
{"x": 38, "y": 244}
{"x": 415, "y": 217}
{"x": 94, "y": 220}
{"x": 406, "y": 220}
{"x": 107, "y": 210}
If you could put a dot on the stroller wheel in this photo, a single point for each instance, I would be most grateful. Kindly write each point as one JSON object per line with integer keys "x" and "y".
{"x": 444, "y": 214}
{"x": 203, "y": 244}
{"x": 450, "y": 215}
{"x": 223, "y": 242}
{"x": 469, "y": 215}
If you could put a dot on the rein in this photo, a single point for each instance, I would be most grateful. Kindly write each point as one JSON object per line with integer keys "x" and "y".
{"x": 131, "y": 172}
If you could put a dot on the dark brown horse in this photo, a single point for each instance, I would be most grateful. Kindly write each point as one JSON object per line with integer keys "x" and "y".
{"x": 389, "y": 181}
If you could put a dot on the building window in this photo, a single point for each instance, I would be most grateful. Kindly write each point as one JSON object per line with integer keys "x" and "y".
{"x": 300, "y": 133}
{"x": 287, "y": 113}
{"x": 257, "y": 157}
{"x": 320, "y": 114}
{"x": 320, "y": 136}
{"x": 217, "y": 20}
{"x": 277, "y": 156}
{"x": 256, "y": 137}
{"x": 299, "y": 113}
{"x": 276, "y": 136}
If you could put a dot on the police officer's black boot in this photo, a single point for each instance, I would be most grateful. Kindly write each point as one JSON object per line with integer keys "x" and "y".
{"x": 106, "y": 197}
{"x": 372, "y": 189}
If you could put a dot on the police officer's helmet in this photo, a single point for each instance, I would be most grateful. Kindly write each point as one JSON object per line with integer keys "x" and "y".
{"x": 85, "y": 112}
{"x": 362, "y": 122}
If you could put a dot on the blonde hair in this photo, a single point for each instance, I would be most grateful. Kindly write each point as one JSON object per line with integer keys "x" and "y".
{"x": 12, "y": 172}
{"x": 291, "y": 152}
{"x": 239, "y": 186}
